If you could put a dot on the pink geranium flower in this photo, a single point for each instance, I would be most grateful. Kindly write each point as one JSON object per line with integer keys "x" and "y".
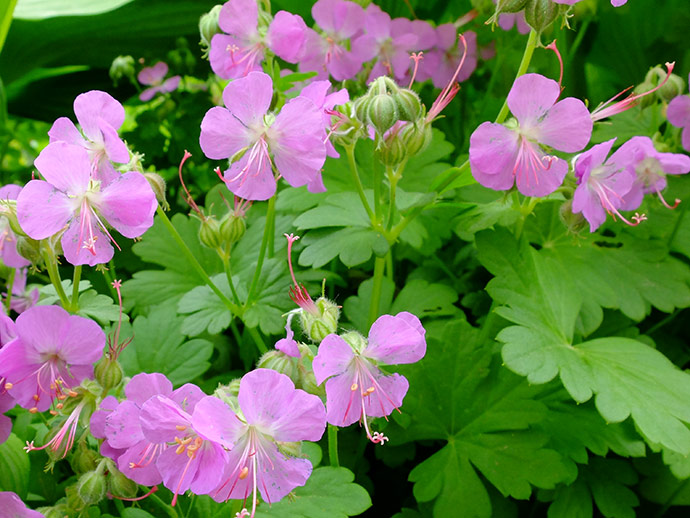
{"x": 52, "y": 353}
{"x": 293, "y": 139}
{"x": 8, "y": 241}
{"x": 22, "y": 299}
{"x": 13, "y": 507}
{"x": 356, "y": 389}
{"x": 678, "y": 114}
{"x": 272, "y": 410}
{"x": 154, "y": 76}
{"x": 317, "y": 92}
{"x": 71, "y": 197}
{"x": 441, "y": 63}
{"x": 241, "y": 50}
{"x": 504, "y": 155}
{"x": 100, "y": 116}
{"x": 7, "y": 334}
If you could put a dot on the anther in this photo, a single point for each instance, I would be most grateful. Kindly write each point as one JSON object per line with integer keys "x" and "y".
{"x": 353, "y": 387}
{"x": 33, "y": 410}
{"x": 8, "y": 385}
{"x": 244, "y": 473}
{"x": 180, "y": 428}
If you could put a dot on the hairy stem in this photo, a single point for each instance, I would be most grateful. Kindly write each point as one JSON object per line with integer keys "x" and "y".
{"x": 350, "y": 150}
{"x": 379, "y": 265}
{"x": 268, "y": 230}
{"x": 76, "y": 279}
{"x": 333, "y": 445}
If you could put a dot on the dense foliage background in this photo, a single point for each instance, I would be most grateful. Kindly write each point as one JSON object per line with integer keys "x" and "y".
{"x": 553, "y": 382}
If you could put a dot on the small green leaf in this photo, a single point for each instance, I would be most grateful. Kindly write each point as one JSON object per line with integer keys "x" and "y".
{"x": 206, "y": 312}
{"x": 424, "y": 299}
{"x": 14, "y": 466}
{"x": 354, "y": 245}
{"x": 329, "y": 493}
{"x": 356, "y": 307}
{"x": 99, "y": 307}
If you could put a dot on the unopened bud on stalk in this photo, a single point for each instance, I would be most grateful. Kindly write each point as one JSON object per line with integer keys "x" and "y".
{"x": 209, "y": 233}
{"x": 229, "y": 394}
{"x": 29, "y": 249}
{"x": 410, "y": 106}
{"x": 58, "y": 511}
{"x": 318, "y": 325}
{"x": 355, "y": 340}
{"x": 108, "y": 372}
{"x": 232, "y": 228}
{"x": 378, "y": 107}
{"x": 280, "y": 362}
{"x": 656, "y": 76}
{"x": 208, "y": 28}
{"x": 157, "y": 183}
{"x": 539, "y": 14}
{"x": 83, "y": 459}
{"x": 118, "y": 484}
{"x": 91, "y": 487}
{"x": 510, "y": 6}
{"x": 122, "y": 66}
{"x": 575, "y": 223}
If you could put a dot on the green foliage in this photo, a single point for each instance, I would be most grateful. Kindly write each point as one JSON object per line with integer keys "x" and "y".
{"x": 14, "y": 466}
{"x": 159, "y": 346}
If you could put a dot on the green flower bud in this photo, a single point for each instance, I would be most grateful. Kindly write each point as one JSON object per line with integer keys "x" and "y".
{"x": 415, "y": 137}
{"x": 208, "y": 28}
{"x": 539, "y": 14}
{"x": 119, "y": 484}
{"x": 575, "y": 223}
{"x": 410, "y": 106}
{"x": 209, "y": 233}
{"x": 510, "y": 6}
{"x": 108, "y": 372}
{"x": 157, "y": 183}
{"x": 232, "y": 228}
{"x": 290, "y": 449}
{"x": 83, "y": 459}
{"x": 355, "y": 340}
{"x": 674, "y": 87}
{"x": 29, "y": 249}
{"x": 91, "y": 487}
{"x": 58, "y": 511}
{"x": 228, "y": 394}
{"x": 351, "y": 129}
{"x": 321, "y": 323}
{"x": 392, "y": 150}
{"x": 122, "y": 66}
{"x": 74, "y": 501}
{"x": 280, "y": 362}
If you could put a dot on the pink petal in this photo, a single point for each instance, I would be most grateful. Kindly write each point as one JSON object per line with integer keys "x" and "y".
{"x": 338, "y": 18}
{"x": 5, "y": 428}
{"x": 97, "y": 421}
{"x": 493, "y": 151}
{"x": 91, "y": 106}
{"x": 231, "y": 58}
{"x": 388, "y": 394}
{"x": 446, "y": 35}
{"x": 128, "y": 204}
{"x": 144, "y": 471}
{"x": 64, "y": 130}
{"x": 115, "y": 148}
{"x": 222, "y": 135}
{"x": 171, "y": 84}
{"x": 239, "y": 18}
{"x": 343, "y": 405}
{"x": 286, "y": 36}
{"x": 159, "y": 418}
{"x": 269, "y": 400}
{"x": 395, "y": 340}
{"x": 678, "y": 111}
{"x": 42, "y": 210}
{"x": 214, "y": 420}
{"x": 541, "y": 181}
{"x": 531, "y": 96}
{"x": 74, "y": 250}
{"x": 143, "y": 386}
{"x": 65, "y": 166}
{"x": 153, "y": 75}
{"x": 248, "y": 98}
{"x": 567, "y": 126}
{"x": 187, "y": 397}
{"x": 81, "y": 340}
{"x": 251, "y": 181}
{"x": 122, "y": 428}
{"x": 334, "y": 358}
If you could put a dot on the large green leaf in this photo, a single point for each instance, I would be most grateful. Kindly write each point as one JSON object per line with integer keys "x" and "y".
{"x": 329, "y": 493}
{"x": 41, "y": 9}
{"x": 14, "y": 466}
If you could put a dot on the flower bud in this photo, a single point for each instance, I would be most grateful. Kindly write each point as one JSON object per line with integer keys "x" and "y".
{"x": 91, "y": 487}
{"x": 209, "y": 233}
{"x": 232, "y": 228}
{"x": 157, "y": 183}
{"x": 674, "y": 87}
{"x": 58, "y": 511}
{"x": 391, "y": 151}
{"x": 573, "y": 222}
{"x": 228, "y": 394}
{"x": 510, "y": 6}
{"x": 279, "y": 362}
{"x": 29, "y": 249}
{"x": 320, "y": 324}
{"x": 379, "y": 107}
{"x": 409, "y": 104}
{"x": 415, "y": 137}
{"x": 539, "y": 14}
{"x": 74, "y": 501}
{"x": 208, "y": 28}
{"x": 122, "y": 66}
{"x": 350, "y": 129}
{"x": 108, "y": 372}
{"x": 355, "y": 340}
{"x": 83, "y": 459}
{"x": 118, "y": 484}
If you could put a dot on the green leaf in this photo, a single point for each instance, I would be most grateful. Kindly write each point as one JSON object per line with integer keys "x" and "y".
{"x": 132, "y": 512}
{"x": 485, "y": 414}
{"x": 424, "y": 299}
{"x": 477, "y": 217}
{"x": 151, "y": 287}
{"x": 341, "y": 209}
{"x": 41, "y": 9}
{"x": 206, "y": 312}
{"x": 160, "y": 346}
{"x": 354, "y": 245}
{"x": 14, "y": 466}
{"x": 99, "y": 307}
{"x": 356, "y": 307}
{"x": 329, "y": 493}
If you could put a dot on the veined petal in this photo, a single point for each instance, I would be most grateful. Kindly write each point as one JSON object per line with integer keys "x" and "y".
{"x": 540, "y": 175}
{"x": 66, "y": 167}
{"x": 248, "y": 98}
{"x": 239, "y": 18}
{"x": 139, "y": 463}
{"x": 128, "y": 204}
{"x": 42, "y": 210}
{"x": 531, "y": 96}
{"x": 388, "y": 393}
{"x": 251, "y": 181}
{"x": 41, "y": 329}
{"x": 222, "y": 134}
{"x": 81, "y": 340}
{"x": 214, "y": 420}
{"x": 74, "y": 247}
{"x": 396, "y": 339}
{"x": 493, "y": 151}
{"x": 91, "y": 106}
{"x": 64, "y": 130}
{"x": 343, "y": 399}
{"x": 678, "y": 111}
{"x": 143, "y": 386}
{"x": 334, "y": 357}
{"x": 160, "y": 417}
{"x": 286, "y": 36}
{"x": 122, "y": 428}
{"x": 567, "y": 126}
{"x": 187, "y": 396}
{"x": 114, "y": 147}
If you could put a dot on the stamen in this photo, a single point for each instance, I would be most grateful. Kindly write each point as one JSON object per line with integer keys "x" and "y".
{"x": 552, "y": 46}
{"x": 417, "y": 57}
{"x": 298, "y": 293}
{"x": 188, "y": 197}
{"x": 151, "y": 491}
{"x": 447, "y": 94}
{"x": 665, "y": 204}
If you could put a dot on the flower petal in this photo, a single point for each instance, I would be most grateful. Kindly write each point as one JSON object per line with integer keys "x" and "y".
{"x": 493, "y": 151}
{"x": 153, "y": 75}
{"x": 286, "y": 36}
{"x": 248, "y": 98}
{"x": 215, "y": 421}
{"x": 678, "y": 111}
{"x": 334, "y": 357}
{"x": 396, "y": 339}
{"x": 222, "y": 134}
{"x": 159, "y": 418}
{"x": 42, "y": 210}
{"x": 91, "y": 106}
{"x": 531, "y": 96}
{"x": 122, "y": 428}
{"x": 567, "y": 126}
{"x": 239, "y": 18}
{"x": 251, "y": 181}
{"x": 144, "y": 386}
{"x": 74, "y": 250}
{"x": 388, "y": 394}
{"x": 65, "y": 166}
{"x": 128, "y": 204}
{"x": 64, "y": 130}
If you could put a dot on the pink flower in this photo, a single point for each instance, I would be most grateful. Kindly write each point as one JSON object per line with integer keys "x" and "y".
{"x": 317, "y": 92}
{"x": 501, "y": 156}
{"x": 13, "y": 507}
{"x": 272, "y": 410}
{"x": 241, "y": 50}
{"x": 294, "y": 138}
{"x": 71, "y": 197}
{"x": 7, "y": 334}
{"x": 52, "y": 353}
{"x": 356, "y": 389}
{"x": 22, "y": 299}
{"x": 153, "y": 76}
{"x": 100, "y": 116}
{"x": 8, "y": 241}
{"x": 441, "y": 62}
{"x": 678, "y": 114}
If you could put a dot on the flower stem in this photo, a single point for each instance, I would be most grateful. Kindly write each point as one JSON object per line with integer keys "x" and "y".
{"x": 54, "y": 275}
{"x": 256, "y": 336}
{"x": 228, "y": 274}
{"x": 524, "y": 65}
{"x": 379, "y": 265}
{"x": 268, "y": 229}
{"x": 10, "y": 285}
{"x": 350, "y": 150}
{"x": 74, "y": 306}
{"x": 195, "y": 264}
{"x": 333, "y": 445}
{"x": 378, "y": 180}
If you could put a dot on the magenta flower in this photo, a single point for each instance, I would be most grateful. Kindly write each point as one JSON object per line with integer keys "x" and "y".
{"x": 507, "y": 21}
{"x": 241, "y": 50}
{"x": 52, "y": 353}
{"x": 294, "y": 137}
{"x": 191, "y": 459}
{"x": 328, "y": 53}
{"x": 678, "y": 114}
{"x": 22, "y": 299}
{"x": 317, "y": 92}
{"x": 651, "y": 167}
{"x": 13, "y": 507}
{"x": 100, "y": 116}
{"x": 501, "y": 156}
{"x": 8, "y": 241}
{"x": 154, "y": 76}
{"x": 7, "y": 334}
{"x": 602, "y": 184}
{"x": 71, "y": 197}
{"x": 441, "y": 63}
{"x": 272, "y": 410}
{"x": 356, "y": 389}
